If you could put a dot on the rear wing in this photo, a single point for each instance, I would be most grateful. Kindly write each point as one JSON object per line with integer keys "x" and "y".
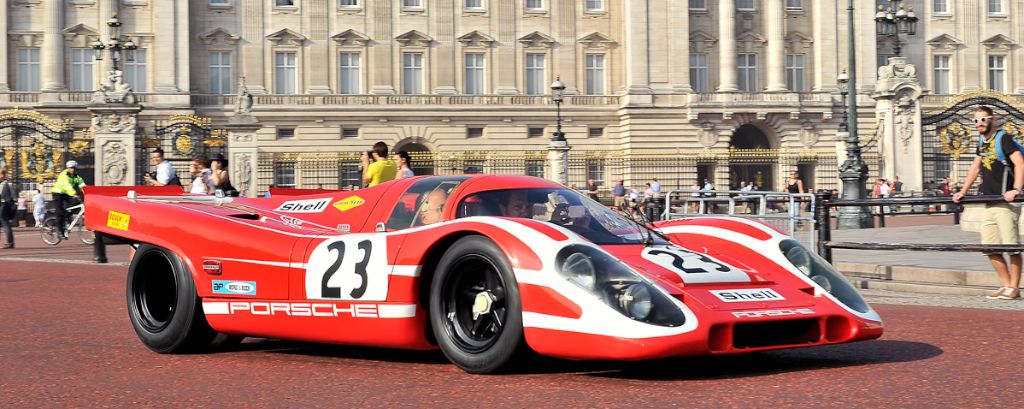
{"x": 140, "y": 190}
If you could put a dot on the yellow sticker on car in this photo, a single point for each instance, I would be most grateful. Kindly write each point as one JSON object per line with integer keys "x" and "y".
{"x": 349, "y": 203}
{"x": 118, "y": 220}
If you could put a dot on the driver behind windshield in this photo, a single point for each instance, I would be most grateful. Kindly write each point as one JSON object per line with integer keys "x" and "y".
{"x": 516, "y": 205}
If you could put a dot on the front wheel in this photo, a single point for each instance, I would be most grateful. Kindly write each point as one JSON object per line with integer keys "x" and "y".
{"x": 475, "y": 309}
{"x": 49, "y": 231}
{"x": 85, "y": 235}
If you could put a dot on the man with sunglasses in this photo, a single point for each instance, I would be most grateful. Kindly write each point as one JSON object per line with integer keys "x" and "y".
{"x": 998, "y": 178}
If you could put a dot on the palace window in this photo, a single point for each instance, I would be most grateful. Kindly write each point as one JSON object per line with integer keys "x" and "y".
{"x": 135, "y": 72}
{"x": 81, "y": 69}
{"x": 412, "y": 73}
{"x": 997, "y": 73}
{"x": 795, "y": 68}
{"x": 28, "y": 69}
{"x": 699, "y": 72}
{"x": 285, "y": 72}
{"x": 747, "y": 72}
{"x": 595, "y": 74}
{"x": 941, "y": 74}
{"x": 220, "y": 72}
{"x": 535, "y": 83}
{"x": 474, "y": 73}
{"x": 348, "y": 73}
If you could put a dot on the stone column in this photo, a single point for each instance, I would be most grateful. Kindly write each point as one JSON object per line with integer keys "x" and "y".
{"x": 679, "y": 46}
{"x": 113, "y": 128}
{"x": 558, "y": 162}
{"x": 775, "y": 24}
{"x": 637, "y": 44}
{"x": 503, "y": 17}
{"x": 4, "y": 86}
{"x": 182, "y": 47}
{"x": 381, "y": 77}
{"x": 51, "y": 58}
{"x": 252, "y": 46}
{"x": 162, "y": 54}
{"x": 319, "y": 12}
{"x": 825, "y": 46}
{"x": 727, "y": 46}
{"x": 897, "y": 92}
{"x": 243, "y": 153}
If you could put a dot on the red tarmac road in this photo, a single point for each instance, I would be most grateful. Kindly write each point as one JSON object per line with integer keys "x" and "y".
{"x": 65, "y": 341}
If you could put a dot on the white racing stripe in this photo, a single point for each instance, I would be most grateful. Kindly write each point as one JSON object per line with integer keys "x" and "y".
{"x": 407, "y": 271}
{"x": 262, "y": 262}
{"x": 215, "y": 308}
{"x": 396, "y": 310}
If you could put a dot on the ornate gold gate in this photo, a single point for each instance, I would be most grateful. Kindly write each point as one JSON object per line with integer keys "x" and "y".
{"x": 34, "y": 148}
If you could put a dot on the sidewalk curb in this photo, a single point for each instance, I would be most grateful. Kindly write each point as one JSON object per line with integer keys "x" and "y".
{"x": 62, "y": 261}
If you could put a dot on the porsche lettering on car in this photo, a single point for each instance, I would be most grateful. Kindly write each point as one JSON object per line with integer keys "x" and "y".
{"x": 483, "y": 267}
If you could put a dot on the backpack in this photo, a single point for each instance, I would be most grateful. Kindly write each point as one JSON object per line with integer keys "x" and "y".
{"x": 1003, "y": 157}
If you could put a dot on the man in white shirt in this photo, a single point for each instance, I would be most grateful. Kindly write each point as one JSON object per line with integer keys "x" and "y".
{"x": 656, "y": 187}
{"x": 202, "y": 184}
{"x": 165, "y": 173}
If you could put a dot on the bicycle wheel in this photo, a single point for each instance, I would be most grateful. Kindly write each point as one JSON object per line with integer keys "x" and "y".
{"x": 87, "y": 236}
{"x": 50, "y": 232}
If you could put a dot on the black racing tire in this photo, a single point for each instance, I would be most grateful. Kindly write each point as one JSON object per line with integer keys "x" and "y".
{"x": 164, "y": 308}
{"x": 474, "y": 267}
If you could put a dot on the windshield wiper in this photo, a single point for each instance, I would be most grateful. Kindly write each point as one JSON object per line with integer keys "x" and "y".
{"x": 635, "y": 209}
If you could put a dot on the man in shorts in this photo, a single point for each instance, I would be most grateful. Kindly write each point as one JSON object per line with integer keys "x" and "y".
{"x": 1006, "y": 180}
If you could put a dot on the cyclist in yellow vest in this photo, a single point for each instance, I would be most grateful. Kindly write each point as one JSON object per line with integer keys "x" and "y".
{"x": 68, "y": 184}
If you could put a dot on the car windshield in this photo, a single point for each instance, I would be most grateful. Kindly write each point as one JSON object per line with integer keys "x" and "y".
{"x": 563, "y": 207}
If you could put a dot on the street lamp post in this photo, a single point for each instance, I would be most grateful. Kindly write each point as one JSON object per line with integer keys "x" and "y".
{"x": 853, "y": 172}
{"x": 558, "y": 147}
{"x": 895, "y": 21}
{"x": 117, "y": 45}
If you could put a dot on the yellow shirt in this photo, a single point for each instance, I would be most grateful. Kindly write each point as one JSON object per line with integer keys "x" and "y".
{"x": 381, "y": 171}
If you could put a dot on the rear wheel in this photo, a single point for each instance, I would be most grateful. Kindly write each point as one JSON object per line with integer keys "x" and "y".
{"x": 49, "y": 231}
{"x": 87, "y": 236}
{"x": 475, "y": 310}
{"x": 162, "y": 303}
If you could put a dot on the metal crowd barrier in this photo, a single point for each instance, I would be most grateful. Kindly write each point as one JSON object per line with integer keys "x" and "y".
{"x": 824, "y": 228}
{"x": 792, "y": 213}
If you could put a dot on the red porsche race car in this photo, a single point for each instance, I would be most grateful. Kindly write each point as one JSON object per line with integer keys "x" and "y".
{"x": 483, "y": 267}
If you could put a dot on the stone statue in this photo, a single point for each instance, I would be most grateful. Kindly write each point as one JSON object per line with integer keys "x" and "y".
{"x": 244, "y": 103}
{"x": 115, "y": 90}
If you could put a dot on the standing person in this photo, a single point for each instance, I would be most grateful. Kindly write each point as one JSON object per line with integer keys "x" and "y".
{"x": 999, "y": 176}
{"x": 21, "y": 216}
{"x": 202, "y": 184}
{"x": 794, "y": 185}
{"x": 592, "y": 190}
{"x": 39, "y": 207}
{"x": 165, "y": 173}
{"x": 695, "y": 195}
{"x": 69, "y": 184}
{"x": 382, "y": 169}
{"x": 7, "y": 198}
{"x": 403, "y": 160}
{"x": 897, "y": 186}
{"x": 220, "y": 177}
{"x": 619, "y": 194}
{"x": 656, "y": 187}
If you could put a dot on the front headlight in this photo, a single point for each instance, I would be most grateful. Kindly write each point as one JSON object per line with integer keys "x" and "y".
{"x": 823, "y": 274}
{"x": 616, "y": 285}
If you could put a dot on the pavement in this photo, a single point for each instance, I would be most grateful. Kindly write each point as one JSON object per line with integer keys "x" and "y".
{"x": 953, "y": 279}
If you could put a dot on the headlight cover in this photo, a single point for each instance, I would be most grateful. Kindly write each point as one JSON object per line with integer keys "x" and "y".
{"x": 823, "y": 274}
{"x": 627, "y": 292}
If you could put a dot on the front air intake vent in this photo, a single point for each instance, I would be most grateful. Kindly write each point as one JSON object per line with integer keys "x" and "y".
{"x": 776, "y": 333}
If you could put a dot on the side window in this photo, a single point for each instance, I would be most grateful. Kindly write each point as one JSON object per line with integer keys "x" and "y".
{"x": 423, "y": 203}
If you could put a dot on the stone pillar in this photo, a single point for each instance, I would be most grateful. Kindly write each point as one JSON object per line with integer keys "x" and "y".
{"x": 380, "y": 18}
{"x": 4, "y": 86}
{"x": 243, "y": 153}
{"x": 252, "y": 45}
{"x": 504, "y": 19}
{"x": 637, "y": 46}
{"x": 319, "y": 12}
{"x": 51, "y": 57}
{"x": 679, "y": 46}
{"x": 826, "y": 45}
{"x": 775, "y": 24}
{"x": 897, "y": 93}
{"x": 164, "y": 53}
{"x": 113, "y": 128}
{"x": 727, "y": 46}
{"x": 558, "y": 162}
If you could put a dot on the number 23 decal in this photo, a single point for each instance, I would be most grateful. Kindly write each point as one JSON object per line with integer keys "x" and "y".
{"x": 694, "y": 267}
{"x": 352, "y": 267}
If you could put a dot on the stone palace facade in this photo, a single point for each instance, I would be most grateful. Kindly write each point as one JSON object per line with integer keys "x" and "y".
{"x": 293, "y": 90}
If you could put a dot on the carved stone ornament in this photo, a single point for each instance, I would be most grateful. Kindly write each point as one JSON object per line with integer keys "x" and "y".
{"x": 115, "y": 163}
{"x": 114, "y": 90}
{"x": 808, "y": 134}
{"x": 898, "y": 68}
{"x": 904, "y": 118}
{"x": 244, "y": 102}
{"x": 243, "y": 172}
{"x": 113, "y": 123}
{"x": 243, "y": 137}
{"x": 707, "y": 135}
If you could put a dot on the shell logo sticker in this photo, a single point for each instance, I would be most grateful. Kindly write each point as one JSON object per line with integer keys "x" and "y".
{"x": 118, "y": 220}
{"x": 349, "y": 203}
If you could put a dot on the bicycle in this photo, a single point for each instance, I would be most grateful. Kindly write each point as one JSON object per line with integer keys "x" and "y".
{"x": 51, "y": 234}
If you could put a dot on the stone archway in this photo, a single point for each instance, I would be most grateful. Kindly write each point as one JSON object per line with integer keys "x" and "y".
{"x": 751, "y": 158}
{"x": 421, "y": 155}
